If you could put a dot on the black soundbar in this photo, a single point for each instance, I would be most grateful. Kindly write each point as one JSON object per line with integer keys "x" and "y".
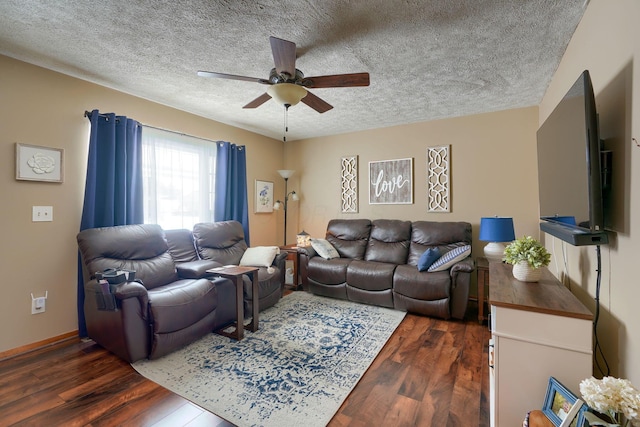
{"x": 575, "y": 236}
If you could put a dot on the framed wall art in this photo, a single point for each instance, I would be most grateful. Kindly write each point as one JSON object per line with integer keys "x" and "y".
{"x": 35, "y": 163}
{"x": 349, "y": 184}
{"x": 391, "y": 182}
{"x": 438, "y": 179}
{"x": 264, "y": 196}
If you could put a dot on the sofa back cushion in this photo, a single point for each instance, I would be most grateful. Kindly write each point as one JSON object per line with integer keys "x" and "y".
{"x": 389, "y": 241}
{"x": 181, "y": 245}
{"x": 140, "y": 247}
{"x": 349, "y": 236}
{"x": 221, "y": 241}
{"x": 437, "y": 234}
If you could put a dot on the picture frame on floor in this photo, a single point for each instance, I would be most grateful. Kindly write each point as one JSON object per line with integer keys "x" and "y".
{"x": 562, "y": 407}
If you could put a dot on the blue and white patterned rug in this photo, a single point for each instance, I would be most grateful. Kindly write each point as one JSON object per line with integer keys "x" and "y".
{"x": 297, "y": 369}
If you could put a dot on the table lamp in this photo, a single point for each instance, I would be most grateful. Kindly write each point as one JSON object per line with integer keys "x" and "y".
{"x": 496, "y": 230}
{"x": 303, "y": 239}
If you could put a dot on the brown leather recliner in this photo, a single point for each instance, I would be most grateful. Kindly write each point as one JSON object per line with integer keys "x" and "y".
{"x": 158, "y": 313}
{"x": 223, "y": 243}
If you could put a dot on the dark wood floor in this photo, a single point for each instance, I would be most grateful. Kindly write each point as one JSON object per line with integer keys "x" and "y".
{"x": 430, "y": 373}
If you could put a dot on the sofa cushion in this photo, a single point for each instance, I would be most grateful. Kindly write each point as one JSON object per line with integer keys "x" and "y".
{"x": 450, "y": 258}
{"x": 370, "y": 275}
{"x": 389, "y": 241}
{"x": 324, "y": 248}
{"x": 433, "y": 234}
{"x": 221, "y": 241}
{"x": 259, "y": 256}
{"x": 181, "y": 304}
{"x": 181, "y": 245}
{"x": 349, "y": 236}
{"x": 330, "y": 272}
{"x": 141, "y": 248}
{"x": 428, "y": 258}
{"x": 408, "y": 281}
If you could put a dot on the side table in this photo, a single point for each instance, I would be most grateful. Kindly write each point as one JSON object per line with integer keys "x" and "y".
{"x": 234, "y": 273}
{"x": 294, "y": 257}
{"x": 482, "y": 271}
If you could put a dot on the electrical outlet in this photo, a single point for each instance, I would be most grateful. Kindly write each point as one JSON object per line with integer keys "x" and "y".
{"x": 42, "y": 213}
{"x": 38, "y": 305}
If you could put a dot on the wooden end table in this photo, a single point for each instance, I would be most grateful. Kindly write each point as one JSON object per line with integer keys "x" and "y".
{"x": 235, "y": 273}
{"x": 482, "y": 271}
{"x": 294, "y": 257}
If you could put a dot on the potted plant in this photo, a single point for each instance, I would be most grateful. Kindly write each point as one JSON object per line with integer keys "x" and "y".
{"x": 527, "y": 255}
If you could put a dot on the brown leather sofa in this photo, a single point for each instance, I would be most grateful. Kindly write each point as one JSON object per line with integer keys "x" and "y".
{"x": 378, "y": 265}
{"x": 173, "y": 301}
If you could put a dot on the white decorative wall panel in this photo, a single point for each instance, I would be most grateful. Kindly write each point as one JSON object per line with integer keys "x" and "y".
{"x": 349, "y": 190}
{"x": 438, "y": 179}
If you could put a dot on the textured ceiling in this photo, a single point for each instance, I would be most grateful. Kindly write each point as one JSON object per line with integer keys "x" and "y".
{"x": 427, "y": 59}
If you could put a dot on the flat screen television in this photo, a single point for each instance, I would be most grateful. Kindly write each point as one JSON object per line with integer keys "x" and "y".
{"x": 569, "y": 169}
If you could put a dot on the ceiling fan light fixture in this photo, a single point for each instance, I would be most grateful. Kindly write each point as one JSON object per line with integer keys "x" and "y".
{"x": 287, "y": 93}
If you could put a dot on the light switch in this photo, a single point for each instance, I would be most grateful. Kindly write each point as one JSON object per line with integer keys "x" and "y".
{"x": 42, "y": 213}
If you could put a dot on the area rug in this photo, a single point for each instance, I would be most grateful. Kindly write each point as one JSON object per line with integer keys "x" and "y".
{"x": 297, "y": 369}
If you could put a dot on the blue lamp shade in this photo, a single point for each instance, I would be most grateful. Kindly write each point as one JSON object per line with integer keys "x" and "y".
{"x": 496, "y": 230}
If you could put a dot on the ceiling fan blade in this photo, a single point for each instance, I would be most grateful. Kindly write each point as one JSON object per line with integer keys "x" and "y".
{"x": 316, "y": 103}
{"x": 337, "y": 80}
{"x": 232, "y": 77}
{"x": 258, "y": 101}
{"x": 284, "y": 55}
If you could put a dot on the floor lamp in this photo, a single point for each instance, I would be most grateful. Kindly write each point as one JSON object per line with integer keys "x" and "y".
{"x": 286, "y": 174}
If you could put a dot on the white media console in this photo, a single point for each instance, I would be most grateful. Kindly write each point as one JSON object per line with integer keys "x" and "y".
{"x": 538, "y": 330}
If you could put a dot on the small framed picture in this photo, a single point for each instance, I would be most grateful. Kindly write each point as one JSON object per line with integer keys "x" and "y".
{"x": 35, "y": 163}
{"x": 562, "y": 407}
{"x": 264, "y": 196}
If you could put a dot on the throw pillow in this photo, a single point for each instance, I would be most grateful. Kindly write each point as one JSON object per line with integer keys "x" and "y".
{"x": 428, "y": 257}
{"x": 259, "y": 256}
{"x": 450, "y": 258}
{"x": 324, "y": 248}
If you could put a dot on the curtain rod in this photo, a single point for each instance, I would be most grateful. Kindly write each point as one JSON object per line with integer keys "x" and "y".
{"x": 88, "y": 113}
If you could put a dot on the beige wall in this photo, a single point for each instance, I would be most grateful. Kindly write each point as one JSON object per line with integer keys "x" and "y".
{"x": 607, "y": 43}
{"x": 493, "y": 170}
{"x": 41, "y": 107}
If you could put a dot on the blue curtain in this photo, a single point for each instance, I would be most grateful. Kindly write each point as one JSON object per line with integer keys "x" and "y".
{"x": 113, "y": 190}
{"x": 231, "y": 201}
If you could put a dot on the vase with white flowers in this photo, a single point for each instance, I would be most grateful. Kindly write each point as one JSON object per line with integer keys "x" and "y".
{"x": 527, "y": 256}
{"x": 617, "y": 398}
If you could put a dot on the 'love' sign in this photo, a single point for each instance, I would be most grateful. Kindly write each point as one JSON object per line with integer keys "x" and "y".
{"x": 391, "y": 182}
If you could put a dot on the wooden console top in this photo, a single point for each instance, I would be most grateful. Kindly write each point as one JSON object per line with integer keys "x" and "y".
{"x": 546, "y": 296}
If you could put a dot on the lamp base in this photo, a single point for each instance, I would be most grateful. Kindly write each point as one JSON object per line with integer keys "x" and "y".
{"x": 494, "y": 251}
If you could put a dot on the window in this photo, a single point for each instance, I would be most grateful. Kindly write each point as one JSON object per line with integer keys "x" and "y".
{"x": 178, "y": 173}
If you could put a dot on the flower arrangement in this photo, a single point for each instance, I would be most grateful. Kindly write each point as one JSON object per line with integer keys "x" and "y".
{"x": 614, "y": 397}
{"x": 527, "y": 249}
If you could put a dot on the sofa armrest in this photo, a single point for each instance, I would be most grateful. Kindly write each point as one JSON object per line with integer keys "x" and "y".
{"x": 460, "y": 283}
{"x": 279, "y": 259}
{"x": 133, "y": 290}
{"x": 280, "y": 262}
{"x": 118, "y": 292}
{"x": 196, "y": 269}
{"x": 308, "y": 251}
{"x": 121, "y": 324}
{"x": 466, "y": 266}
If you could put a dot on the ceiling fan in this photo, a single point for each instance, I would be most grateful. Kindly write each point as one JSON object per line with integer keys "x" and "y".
{"x": 287, "y": 84}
